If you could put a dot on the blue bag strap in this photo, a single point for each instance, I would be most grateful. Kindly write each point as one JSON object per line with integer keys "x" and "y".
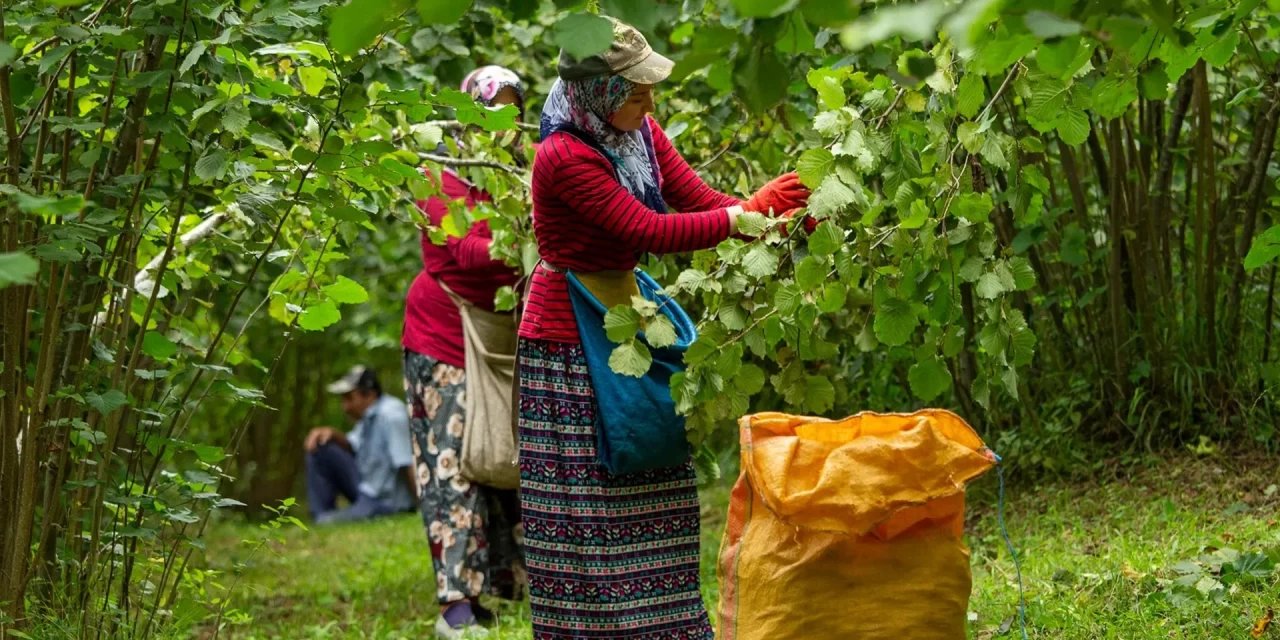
{"x": 686, "y": 330}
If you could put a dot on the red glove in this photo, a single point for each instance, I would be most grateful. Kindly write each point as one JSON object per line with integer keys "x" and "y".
{"x": 781, "y": 194}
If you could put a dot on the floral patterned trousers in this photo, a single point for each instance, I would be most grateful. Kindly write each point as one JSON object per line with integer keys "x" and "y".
{"x": 474, "y": 530}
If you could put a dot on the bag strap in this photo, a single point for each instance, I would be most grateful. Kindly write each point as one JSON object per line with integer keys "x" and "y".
{"x": 457, "y": 299}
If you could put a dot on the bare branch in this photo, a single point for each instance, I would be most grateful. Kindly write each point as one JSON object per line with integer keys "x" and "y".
{"x": 470, "y": 162}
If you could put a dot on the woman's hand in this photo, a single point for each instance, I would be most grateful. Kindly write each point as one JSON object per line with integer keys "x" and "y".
{"x": 783, "y": 193}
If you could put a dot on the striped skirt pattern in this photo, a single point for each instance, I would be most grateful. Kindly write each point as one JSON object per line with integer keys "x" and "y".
{"x": 608, "y": 556}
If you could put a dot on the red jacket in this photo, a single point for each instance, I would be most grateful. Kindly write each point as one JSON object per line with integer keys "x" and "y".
{"x": 432, "y": 324}
{"x": 586, "y": 221}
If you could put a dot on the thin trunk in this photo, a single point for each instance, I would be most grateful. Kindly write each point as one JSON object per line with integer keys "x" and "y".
{"x": 1268, "y": 317}
{"x": 1115, "y": 275}
{"x": 1208, "y": 224}
{"x": 1160, "y": 185}
{"x": 1252, "y": 196}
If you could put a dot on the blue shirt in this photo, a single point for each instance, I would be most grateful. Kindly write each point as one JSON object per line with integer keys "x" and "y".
{"x": 382, "y": 447}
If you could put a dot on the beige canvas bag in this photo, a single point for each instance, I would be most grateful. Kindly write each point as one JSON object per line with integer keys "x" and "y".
{"x": 489, "y": 451}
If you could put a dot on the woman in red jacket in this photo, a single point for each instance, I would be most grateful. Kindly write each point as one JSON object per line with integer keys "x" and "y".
{"x": 471, "y": 528}
{"x": 608, "y": 556}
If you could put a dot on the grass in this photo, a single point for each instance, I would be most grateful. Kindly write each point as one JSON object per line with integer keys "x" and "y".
{"x": 1118, "y": 556}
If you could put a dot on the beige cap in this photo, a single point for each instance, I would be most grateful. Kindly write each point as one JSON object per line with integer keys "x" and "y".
{"x": 630, "y": 56}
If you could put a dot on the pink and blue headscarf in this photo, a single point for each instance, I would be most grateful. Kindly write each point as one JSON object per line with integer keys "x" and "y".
{"x": 582, "y": 108}
{"x": 485, "y": 83}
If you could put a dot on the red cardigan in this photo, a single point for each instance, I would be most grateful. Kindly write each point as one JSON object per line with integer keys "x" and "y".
{"x": 586, "y": 221}
{"x": 432, "y": 324}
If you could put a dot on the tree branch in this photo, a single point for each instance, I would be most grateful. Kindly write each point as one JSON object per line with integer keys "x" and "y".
{"x": 470, "y": 162}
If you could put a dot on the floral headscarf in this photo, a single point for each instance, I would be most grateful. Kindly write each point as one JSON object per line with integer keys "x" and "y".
{"x": 485, "y": 83}
{"x": 583, "y": 108}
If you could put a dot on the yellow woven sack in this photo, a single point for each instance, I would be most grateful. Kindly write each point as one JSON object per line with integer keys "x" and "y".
{"x": 849, "y": 528}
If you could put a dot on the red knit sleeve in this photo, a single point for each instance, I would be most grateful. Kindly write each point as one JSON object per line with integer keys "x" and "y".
{"x": 682, "y": 188}
{"x": 584, "y": 180}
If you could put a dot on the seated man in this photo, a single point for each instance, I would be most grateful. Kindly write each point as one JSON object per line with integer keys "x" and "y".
{"x": 372, "y": 466}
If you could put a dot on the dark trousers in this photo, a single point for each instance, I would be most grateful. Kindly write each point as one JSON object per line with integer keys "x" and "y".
{"x": 332, "y": 471}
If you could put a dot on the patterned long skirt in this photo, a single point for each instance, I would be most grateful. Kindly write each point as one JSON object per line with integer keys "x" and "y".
{"x": 474, "y": 531}
{"x": 608, "y": 556}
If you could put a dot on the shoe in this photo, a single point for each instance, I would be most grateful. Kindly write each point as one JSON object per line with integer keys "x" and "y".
{"x": 465, "y": 631}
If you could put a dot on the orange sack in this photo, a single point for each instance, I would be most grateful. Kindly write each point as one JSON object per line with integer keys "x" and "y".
{"x": 850, "y": 528}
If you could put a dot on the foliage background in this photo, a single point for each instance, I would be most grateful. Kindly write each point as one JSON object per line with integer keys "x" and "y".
{"x": 1057, "y": 218}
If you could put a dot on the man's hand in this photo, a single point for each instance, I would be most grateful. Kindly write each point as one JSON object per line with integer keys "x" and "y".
{"x": 318, "y": 437}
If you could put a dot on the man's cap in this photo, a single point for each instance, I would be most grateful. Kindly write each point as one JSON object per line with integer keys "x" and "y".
{"x": 357, "y": 377}
{"x": 630, "y": 56}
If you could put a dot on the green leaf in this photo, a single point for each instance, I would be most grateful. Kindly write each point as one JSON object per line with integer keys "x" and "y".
{"x": 953, "y": 343}
{"x": 319, "y": 316}
{"x": 106, "y": 403}
{"x": 622, "y": 323}
{"x": 750, "y": 379}
{"x": 356, "y": 24}
{"x": 993, "y": 151}
{"x": 1047, "y": 102}
{"x": 49, "y": 207}
{"x": 1219, "y": 53}
{"x": 788, "y": 298}
{"x": 193, "y": 56}
{"x": 1062, "y": 58}
{"x": 1073, "y": 126}
{"x": 7, "y": 54}
{"x": 235, "y": 118}
{"x": 834, "y": 296}
{"x": 762, "y": 8}
{"x": 895, "y": 323}
{"x": 212, "y": 166}
{"x": 581, "y": 35}
{"x": 916, "y": 216}
{"x": 158, "y": 346}
{"x": 346, "y": 291}
{"x": 974, "y": 207}
{"x": 312, "y": 79}
{"x": 347, "y": 213}
{"x": 970, "y": 95}
{"x": 796, "y": 37}
{"x": 1154, "y": 83}
{"x": 761, "y": 79}
{"x": 1024, "y": 276}
{"x": 1048, "y": 25}
{"x": 830, "y": 196}
{"x": 760, "y": 261}
{"x": 1265, "y": 248}
{"x": 914, "y": 22}
{"x": 1010, "y": 380}
{"x": 971, "y": 270}
{"x": 819, "y": 394}
{"x": 989, "y": 286}
{"x": 811, "y": 273}
{"x": 829, "y": 83}
{"x": 631, "y": 358}
{"x": 660, "y": 333}
{"x": 929, "y": 378}
{"x": 442, "y": 11}
{"x": 17, "y": 268}
{"x": 826, "y": 239}
{"x": 970, "y": 136}
{"x": 1023, "y": 343}
{"x": 1112, "y": 96}
{"x": 505, "y": 299}
{"x": 752, "y": 224}
{"x": 814, "y": 165}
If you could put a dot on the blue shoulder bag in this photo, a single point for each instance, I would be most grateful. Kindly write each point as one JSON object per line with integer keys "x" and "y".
{"x": 637, "y": 427}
